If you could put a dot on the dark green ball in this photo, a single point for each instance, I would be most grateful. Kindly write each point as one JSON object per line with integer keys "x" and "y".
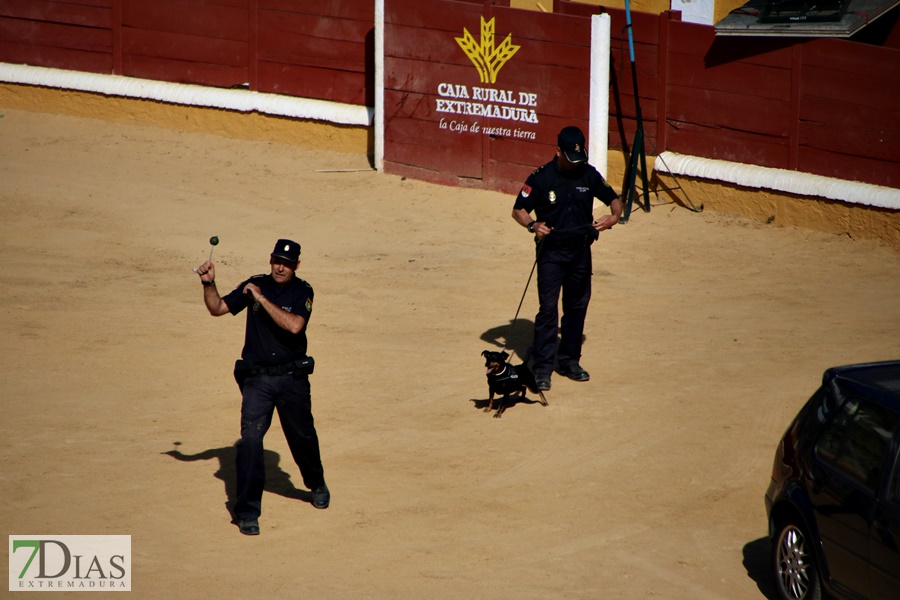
{"x": 214, "y": 240}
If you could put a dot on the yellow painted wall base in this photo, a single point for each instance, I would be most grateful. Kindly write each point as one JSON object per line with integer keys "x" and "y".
{"x": 255, "y": 126}
{"x": 857, "y": 221}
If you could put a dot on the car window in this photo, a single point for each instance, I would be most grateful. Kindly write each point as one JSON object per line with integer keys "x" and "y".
{"x": 856, "y": 440}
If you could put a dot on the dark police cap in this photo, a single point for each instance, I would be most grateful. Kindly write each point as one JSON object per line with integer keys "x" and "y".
{"x": 571, "y": 142}
{"x": 288, "y": 250}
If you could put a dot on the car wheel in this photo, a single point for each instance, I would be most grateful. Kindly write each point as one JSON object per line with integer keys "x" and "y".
{"x": 794, "y": 564}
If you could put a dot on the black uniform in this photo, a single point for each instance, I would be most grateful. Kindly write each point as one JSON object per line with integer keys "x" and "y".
{"x": 564, "y": 200}
{"x": 273, "y": 373}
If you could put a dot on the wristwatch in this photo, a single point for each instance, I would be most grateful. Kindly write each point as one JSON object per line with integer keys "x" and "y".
{"x": 531, "y": 226}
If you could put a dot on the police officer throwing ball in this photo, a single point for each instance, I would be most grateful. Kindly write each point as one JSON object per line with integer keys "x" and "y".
{"x": 273, "y": 373}
{"x": 561, "y": 194}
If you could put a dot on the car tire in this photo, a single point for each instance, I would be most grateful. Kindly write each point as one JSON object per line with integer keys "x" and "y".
{"x": 794, "y": 567}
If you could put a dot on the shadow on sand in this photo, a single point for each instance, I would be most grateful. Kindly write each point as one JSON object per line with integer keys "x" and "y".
{"x": 756, "y": 561}
{"x": 277, "y": 481}
{"x": 515, "y": 337}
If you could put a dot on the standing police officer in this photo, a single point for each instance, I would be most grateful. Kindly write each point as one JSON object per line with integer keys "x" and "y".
{"x": 273, "y": 373}
{"x": 561, "y": 193}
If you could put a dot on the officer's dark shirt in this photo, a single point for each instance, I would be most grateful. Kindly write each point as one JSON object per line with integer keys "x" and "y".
{"x": 264, "y": 341}
{"x": 564, "y": 199}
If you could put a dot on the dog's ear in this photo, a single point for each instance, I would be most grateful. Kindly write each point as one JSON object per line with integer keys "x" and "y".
{"x": 504, "y": 355}
{"x": 485, "y": 353}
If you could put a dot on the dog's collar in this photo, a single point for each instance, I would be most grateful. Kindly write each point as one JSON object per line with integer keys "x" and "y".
{"x": 507, "y": 373}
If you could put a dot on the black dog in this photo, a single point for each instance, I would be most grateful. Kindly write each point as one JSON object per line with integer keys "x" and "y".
{"x": 504, "y": 378}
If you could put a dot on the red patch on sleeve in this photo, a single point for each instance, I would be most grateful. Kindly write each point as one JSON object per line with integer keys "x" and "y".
{"x": 526, "y": 189}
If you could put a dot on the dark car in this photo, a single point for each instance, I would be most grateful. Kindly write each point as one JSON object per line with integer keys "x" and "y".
{"x": 834, "y": 501}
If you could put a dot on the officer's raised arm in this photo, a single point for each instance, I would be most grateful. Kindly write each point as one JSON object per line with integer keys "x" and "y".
{"x": 214, "y": 303}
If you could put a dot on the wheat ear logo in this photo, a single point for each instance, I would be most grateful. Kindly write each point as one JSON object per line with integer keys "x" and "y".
{"x": 487, "y": 58}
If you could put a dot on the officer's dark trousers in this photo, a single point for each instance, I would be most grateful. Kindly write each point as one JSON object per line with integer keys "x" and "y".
{"x": 262, "y": 394}
{"x": 565, "y": 269}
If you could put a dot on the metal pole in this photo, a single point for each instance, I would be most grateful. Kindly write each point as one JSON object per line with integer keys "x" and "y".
{"x": 638, "y": 154}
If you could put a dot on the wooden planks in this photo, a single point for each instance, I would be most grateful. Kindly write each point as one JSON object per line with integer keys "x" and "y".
{"x": 849, "y": 115}
{"x": 73, "y": 35}
{"x": 320, "y": 50}
{"x": 82, "y": 13}
{"x": 317, "y": 50}
{"x": 186, "y": 41}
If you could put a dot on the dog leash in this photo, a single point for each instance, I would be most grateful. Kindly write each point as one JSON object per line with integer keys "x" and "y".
{"x": 527, "y": 283}
{"x": 530, "y": 275}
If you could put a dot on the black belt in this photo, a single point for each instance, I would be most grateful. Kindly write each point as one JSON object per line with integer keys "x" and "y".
{"x": 573, "y": 243}
{"x": 301, "y": 366}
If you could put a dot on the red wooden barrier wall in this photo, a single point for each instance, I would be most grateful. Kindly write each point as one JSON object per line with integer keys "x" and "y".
{"x": 822, "y": 106}
{"x": 67, "y": 35}
{"x": 321, "y": 49}
{"x": 849, "y": 117}
{"x": 739, "y": 110}
{"x": 186, "y": 41}
{"x": 825, "y": 106}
